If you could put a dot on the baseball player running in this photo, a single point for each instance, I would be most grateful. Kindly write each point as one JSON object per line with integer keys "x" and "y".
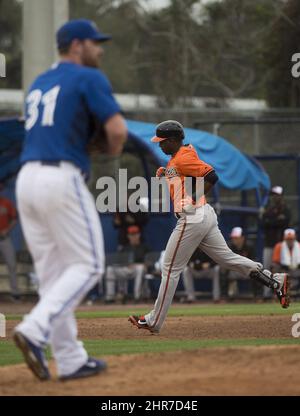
{"x": 58, "y": 214}
{"x": 200, "y": 229}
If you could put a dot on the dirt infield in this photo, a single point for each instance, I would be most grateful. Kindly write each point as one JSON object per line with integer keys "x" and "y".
{"x": 204, "y": 327}
{"x": 219, "y": 371}
{"x": 208, "y": 327}
{"x": 265, "y": 370}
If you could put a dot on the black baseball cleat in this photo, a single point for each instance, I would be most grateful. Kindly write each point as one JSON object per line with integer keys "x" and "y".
{"x": 279, "y": 282}
{"x": 33, "y": 355}
{"x": 283, "y": 292}
{"x": 91, "y": 368}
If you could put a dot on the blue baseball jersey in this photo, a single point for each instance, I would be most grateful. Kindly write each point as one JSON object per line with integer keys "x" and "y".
{"x": 61, "y": 107}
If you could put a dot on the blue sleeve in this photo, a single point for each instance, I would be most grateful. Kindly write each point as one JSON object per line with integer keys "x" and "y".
{"x": 98, "y": 95}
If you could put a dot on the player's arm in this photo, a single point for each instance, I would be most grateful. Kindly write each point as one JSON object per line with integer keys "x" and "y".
{"x": 101, "y": 102}
{"x": 210, "y": 179}
{"x": 116, "y": 132}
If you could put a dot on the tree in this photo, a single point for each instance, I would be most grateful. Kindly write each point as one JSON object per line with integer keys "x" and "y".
{"x": 282, "y": 41}
{"x": 167, "y": 56}
{"x": 226, "y": 49}
{"x": 121, "y": 18}
{"x": 230, "y": 42}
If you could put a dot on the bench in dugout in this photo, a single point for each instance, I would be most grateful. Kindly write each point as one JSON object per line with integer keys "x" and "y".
{"x": 117, "y": 259}
{"x": 152, "y": 274}
{"x": 153, "y": 278}
{"x": 99, "y": 290}
{"x": 24, "y": 270}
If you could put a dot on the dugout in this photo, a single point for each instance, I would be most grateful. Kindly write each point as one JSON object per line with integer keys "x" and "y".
{"x": 241, "y": 191}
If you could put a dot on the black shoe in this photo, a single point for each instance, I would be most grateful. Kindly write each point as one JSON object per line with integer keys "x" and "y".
{"x": 91, "y": 368}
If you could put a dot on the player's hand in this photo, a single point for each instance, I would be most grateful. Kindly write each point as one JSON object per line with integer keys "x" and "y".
{"x": 187, "y": 205}
{"x": 160, "y": 172}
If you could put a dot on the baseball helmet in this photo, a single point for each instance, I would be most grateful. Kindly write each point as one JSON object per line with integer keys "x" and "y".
{"x": 169, "y": 129}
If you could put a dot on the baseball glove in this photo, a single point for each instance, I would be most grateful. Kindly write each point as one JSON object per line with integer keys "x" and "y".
{"x": 98, "y": 142}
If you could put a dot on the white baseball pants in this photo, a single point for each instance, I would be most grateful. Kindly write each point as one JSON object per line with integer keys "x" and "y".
{"x": 190, "y": 232}
{"x": 63, "y": 233}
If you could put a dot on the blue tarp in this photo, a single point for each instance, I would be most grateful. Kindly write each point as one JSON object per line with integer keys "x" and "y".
{"x": 235, "y": 169}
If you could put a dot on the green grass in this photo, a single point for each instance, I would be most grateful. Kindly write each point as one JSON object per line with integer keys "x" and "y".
{"x": 199, "y": 310}
{"x": 9, "y": 354}
{"x": 195, "y": 310}
{"x": 117, "y": 347}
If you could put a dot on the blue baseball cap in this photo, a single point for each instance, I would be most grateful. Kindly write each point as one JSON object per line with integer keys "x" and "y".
{"x": 79, "y": 29}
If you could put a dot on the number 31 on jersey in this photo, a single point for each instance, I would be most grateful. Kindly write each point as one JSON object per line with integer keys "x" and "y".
{"x": 48, "y": 100}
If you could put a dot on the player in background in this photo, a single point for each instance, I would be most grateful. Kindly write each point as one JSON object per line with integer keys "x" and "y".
{"x": 58, "y": 214}
{"x": 8, "y": 220}
{"x": 197, "y": 226}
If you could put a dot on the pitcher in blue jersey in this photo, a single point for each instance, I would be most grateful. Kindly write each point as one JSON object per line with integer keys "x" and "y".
{"x": 58, "y": 215}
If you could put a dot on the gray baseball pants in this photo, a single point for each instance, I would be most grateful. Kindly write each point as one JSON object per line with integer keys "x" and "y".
{"x": 191, "y": 231}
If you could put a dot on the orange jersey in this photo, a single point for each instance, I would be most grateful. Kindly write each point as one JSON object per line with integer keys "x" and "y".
{"x": 185, "y": 163}
{"x": 276, "y": 256}
{"x": 276, "y": 253}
